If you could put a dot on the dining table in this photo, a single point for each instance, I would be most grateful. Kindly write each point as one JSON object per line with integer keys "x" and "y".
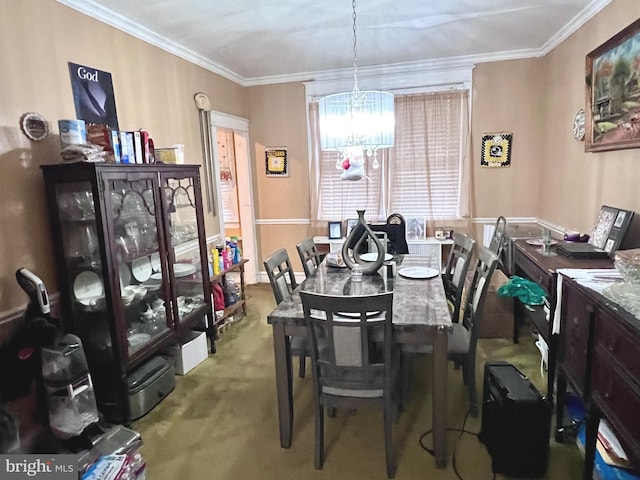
{"x": 420, "y": 317}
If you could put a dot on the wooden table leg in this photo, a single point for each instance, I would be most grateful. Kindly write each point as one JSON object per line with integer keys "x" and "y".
{"x": 440, "y": 396}
{"x": 284, "y": 383}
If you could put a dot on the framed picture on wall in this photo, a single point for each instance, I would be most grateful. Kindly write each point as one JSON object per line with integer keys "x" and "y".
{"x": 496, "y": 150}
{"x": 276, "y": 162}
{"x": 612, "y": 112}
{"x": 350, "y": 223}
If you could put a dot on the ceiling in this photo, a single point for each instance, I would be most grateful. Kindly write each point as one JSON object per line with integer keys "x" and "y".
{"x": 256, "y": 42}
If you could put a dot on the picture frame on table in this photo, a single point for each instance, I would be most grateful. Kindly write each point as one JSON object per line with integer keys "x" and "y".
{"x": 335, "y": 230}
{"x": 612, "y": 113}
{"x": 416, "y": 228}
{"x": 610, "y": 228}
{"x": 349, "y": 225}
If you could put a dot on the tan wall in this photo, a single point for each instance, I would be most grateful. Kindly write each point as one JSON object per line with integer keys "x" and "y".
{"x": 576, "y": 183}
{"x": 507, "y": 98}
{"x": 278, "y": 119}
{"x": 153, "y": 90}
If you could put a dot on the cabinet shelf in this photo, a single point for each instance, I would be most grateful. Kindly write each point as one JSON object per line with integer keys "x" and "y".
{"x": 240, "y": 305}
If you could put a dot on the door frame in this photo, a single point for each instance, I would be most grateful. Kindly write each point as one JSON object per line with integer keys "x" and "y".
{"x": 244, "y": 182}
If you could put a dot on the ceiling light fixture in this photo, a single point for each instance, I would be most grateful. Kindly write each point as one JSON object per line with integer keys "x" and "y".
{"x": 360, "y": 120}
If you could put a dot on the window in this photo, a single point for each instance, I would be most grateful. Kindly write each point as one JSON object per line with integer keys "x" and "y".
{"x": 423, "y": 175}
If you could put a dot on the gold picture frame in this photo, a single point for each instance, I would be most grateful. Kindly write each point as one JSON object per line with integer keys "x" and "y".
{"x": 612, "y": 93}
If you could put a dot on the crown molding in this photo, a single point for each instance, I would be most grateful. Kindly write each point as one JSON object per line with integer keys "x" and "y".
{"x": 578, "y": 21}
{"x": 104, "y": 15}
{"x": 90, "y": 8}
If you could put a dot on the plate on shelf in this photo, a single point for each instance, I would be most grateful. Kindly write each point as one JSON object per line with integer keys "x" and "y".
{"x": 125, "y": 275}
{"x": 372, "y": 257}
{"x": 418, "y": 272}
{"x": 155, "y": 262}
{"x": 153, "y": 284}
{"x": 537, "y": 242}
{"x": 141, "y": 269}
{"x": 87, "y": 286}
{"x": 183, "y": 269}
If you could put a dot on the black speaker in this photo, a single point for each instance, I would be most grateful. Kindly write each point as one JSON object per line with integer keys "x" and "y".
{"x": 516, "y": 422}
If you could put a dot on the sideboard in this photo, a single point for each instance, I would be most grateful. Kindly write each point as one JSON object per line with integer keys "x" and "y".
{"x": 598, "y": 357}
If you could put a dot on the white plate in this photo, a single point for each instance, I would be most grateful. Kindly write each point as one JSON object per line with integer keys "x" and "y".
{"x": 125, "y": 275}
{"x": 372, "y": 257}
{"x": 418, "y": 272}
{"x": 87, "y": 286}
{"x": 141, "y": 269}
{"x": 537, "y": 242}
{"x": 155, "y": 262}
{"x": 153, "y": 284}
{"x": 183, "y": 269}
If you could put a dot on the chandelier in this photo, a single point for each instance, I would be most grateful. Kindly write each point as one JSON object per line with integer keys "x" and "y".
{"x": 356, "y": 120}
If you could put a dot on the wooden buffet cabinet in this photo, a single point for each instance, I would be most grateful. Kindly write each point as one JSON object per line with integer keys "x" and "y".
{"x": 598, "y": 357}
{"x": 530, "y": 263}
{"x": 595, "y": 353}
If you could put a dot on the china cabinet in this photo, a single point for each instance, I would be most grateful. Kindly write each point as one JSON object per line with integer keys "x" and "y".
{"x": 132, "y": 265}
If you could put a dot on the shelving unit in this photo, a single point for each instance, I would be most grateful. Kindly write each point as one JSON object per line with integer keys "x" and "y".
{"x": 241, "y": 304}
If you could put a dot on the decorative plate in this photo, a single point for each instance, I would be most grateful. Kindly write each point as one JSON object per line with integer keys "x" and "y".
{"x": 155, "y": 262}
{"x": 372, "y": 257}
{"x": 87, "y": 286}
{"x": 183, "y": 269}
{"x": 418, "y": 272}
{"x": 34, "y": 126}
{"x": 578, "y": 125}
{"x": 141, "y": 269}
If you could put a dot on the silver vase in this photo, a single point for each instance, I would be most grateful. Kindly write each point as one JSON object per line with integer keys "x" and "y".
{"x": 359, "y": 235}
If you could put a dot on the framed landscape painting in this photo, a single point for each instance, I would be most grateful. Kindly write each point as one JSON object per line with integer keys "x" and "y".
{"x": 613, "y": 93}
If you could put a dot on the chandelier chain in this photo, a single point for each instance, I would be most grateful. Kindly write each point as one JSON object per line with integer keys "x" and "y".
{"x": 355, "y": 48}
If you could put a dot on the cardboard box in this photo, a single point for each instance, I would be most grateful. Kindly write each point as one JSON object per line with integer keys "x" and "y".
{"x": 497, "y": 318}
{"x": 190, "y": 352}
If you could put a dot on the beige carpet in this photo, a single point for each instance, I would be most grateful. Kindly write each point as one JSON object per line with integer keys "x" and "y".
{"x": 221, "y": 420}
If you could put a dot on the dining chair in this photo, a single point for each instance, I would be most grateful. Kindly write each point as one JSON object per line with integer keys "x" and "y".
{"x": 355, "y": 360}
{"x": 309, "y": 255}
{"x": 463, "y": 337}
{"x": 455, "y": 271}
{"x": 463, "y": 340}
{"x": 283, "y": 283}
{"x": 497, "y": 241}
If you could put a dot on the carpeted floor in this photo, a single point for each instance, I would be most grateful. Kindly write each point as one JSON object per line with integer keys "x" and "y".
{"x": 221, "y": 420}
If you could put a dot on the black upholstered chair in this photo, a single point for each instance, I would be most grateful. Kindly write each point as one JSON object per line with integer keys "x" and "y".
{"x": 283, "y": 283}
{"x": 355, "y": 360}
{"x": 455, "y": 271}
{"x": 309, "y": 255}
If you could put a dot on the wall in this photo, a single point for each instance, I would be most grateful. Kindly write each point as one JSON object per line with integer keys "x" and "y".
{"x": 153, "y": 90}
{"x": 278, "y": 119}
{"x": 575, "y": 184}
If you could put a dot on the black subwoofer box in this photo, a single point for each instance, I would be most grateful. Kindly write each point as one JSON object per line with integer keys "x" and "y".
{"x": 516, "y": 422}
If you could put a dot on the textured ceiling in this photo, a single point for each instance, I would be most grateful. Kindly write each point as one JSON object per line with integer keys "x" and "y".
{"x": 265, "y": 41}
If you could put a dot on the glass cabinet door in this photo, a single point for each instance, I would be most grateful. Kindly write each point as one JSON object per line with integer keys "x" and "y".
{"x": 184, "y": 256}
{"x": 80, "y": 243}
{"x": 135, "y": 231}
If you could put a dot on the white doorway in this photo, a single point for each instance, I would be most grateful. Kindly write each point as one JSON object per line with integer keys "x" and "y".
{"x": 235, "y": 133}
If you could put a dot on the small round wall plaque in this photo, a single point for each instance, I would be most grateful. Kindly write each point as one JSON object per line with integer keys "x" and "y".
{"x": 34, "y": 126}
